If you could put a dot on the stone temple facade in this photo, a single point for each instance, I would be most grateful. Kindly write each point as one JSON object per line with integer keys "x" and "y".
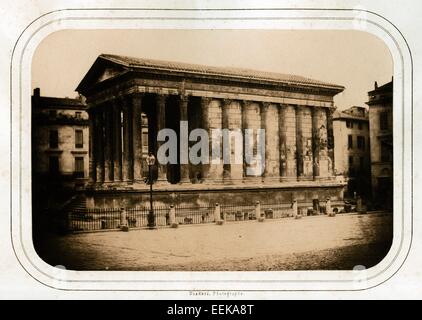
{"x": 130, "y": 100}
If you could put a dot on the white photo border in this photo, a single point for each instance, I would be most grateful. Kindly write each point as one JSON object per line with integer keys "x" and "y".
{"x": 263, "y": 19}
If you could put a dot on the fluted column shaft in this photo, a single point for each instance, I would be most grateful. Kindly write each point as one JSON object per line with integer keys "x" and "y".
{"x": 226, "y": 148}
{"x": 205, "y": 167}
{"x": 320, "y": 140}
{"x": 184, "y": 151}
{"x": 304, "y": 143}
{"x": 137, "y": 136}
{"x": 108, "y": 169}
{"x": 287, "y": 149}
{"x": 100, "y": 144}
{"x": 92, "y": 145}
{"x": 330, "y": 141}
{"x": 161, "y": 124}
{"x": 127, "y": 141}
{"x": 117, "y": 149}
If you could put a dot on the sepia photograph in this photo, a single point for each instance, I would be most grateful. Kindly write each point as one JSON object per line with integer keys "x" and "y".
{"x": 212, "y": 150}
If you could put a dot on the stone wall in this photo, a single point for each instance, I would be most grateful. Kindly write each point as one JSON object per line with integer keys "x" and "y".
{"x": 229, "y": 196}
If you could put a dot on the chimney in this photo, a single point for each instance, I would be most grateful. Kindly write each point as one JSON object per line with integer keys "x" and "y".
{"x": 36, "y": 92}
{"x": 376, "y": 85}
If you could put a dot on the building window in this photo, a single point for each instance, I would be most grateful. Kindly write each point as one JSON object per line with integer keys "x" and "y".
{"x": 384, "y": 120}
{"x": 53, "y": 164}
{"x": 78, "y": 115}
{"x": 79, "y": 139}
{"x": 79, "y": 167}
{"x": 361, "y": 143}
{"x": 385, "y": 153}
{"x": 350, "y": 141}
{"x": 349, "y": 124}
{"x": 54, "y": 139}
{"x": 360, "y": 126}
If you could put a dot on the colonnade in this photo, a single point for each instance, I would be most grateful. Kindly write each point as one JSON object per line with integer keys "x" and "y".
{"x": 298, "y": 139}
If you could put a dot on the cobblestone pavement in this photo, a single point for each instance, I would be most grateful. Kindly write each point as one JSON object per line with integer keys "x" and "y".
{"x": 314, "y": 242}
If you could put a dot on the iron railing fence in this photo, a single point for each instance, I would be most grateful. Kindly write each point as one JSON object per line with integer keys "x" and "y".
{"x": 90, "y": 219}
{"x": 191, "y": 214}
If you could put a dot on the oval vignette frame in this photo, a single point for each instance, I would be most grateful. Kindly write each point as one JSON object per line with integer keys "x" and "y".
{"x": 265, "y": 19}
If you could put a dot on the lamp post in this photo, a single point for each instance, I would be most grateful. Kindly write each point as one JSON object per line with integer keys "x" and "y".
{"x": 151, "y": 218}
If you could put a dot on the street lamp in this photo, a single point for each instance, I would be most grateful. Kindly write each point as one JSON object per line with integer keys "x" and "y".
{"x": 151, "y": 218}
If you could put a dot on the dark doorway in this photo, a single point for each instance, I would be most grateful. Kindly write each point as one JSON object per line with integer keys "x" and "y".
{"x": 173, "y": 122}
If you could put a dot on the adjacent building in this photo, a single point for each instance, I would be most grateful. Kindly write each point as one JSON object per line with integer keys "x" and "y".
{"x": 123, "y": 93}
{"x": 352, "y": 150}
{"x": 60, "y": 141}
{"x": 381, "y": 134}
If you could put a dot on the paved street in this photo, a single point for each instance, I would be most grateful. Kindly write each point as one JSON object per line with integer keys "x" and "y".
{"x": 314, "y": 242}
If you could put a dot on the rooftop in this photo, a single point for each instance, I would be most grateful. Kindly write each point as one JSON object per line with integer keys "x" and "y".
{"x": 388, "y": 87}
{"x": 353, "y": 113}
{"x": 56, "y": 102}
{"x": 229, "y": 72}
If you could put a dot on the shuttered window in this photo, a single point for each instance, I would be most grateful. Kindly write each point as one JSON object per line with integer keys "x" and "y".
{"x": 79, "y": 139}
{"x": 54, "y": 139}
{"x": 79, "y": 167}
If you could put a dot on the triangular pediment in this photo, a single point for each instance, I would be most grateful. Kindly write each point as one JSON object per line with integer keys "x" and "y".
{"x": 100, "y": 71}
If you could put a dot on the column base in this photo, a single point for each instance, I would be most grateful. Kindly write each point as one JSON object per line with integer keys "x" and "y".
{"x": 305, "y": 178}
{"x": 161, "y": 183}
{"x": 288, "y": 179}
{"x": 252, "y": 180}
{"x": 320, "y": 178}
{"x": 270, "y": 180}
{"x": 213, "y": 181}
{"x": 185, "y": 181}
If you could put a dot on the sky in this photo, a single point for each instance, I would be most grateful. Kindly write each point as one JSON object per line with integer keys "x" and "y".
{"x": 354, "y": 59}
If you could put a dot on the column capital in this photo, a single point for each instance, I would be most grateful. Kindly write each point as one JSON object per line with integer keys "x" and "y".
{"x": 184, "y": 98}
{"x": 227, "y": 102}
{"x": 265, "y": 106}
{"x": 137, "y": 96}
{"x": 206, "y": 100}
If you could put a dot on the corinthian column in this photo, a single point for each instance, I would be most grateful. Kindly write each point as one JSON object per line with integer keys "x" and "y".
{"x": 161, "y": 124}
{"x": 127, "y": 141}
{"x": 226, "y": 141}
{"x": 99, "y": 126}
{"x": 269, "y": 120}
{"x": 215, "y": 168}
{"x": 251, "y": 120}
{"x": 330, "y": 141}
{"x": 92, "y": 145}
{"x": 117, "y": 149}
{"x": 205, "y": 167}
{"x": 137, "y": 136}
{"x": 184, "y": 145}
{"x": 108, "y": 169}
{"x": 287, "y": 129}
{"x": 320, "y": 139}
{"x": 304, "y": 143}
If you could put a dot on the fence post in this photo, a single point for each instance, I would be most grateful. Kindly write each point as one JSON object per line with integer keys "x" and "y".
{"x": 359, "y": 205}
{"x": 295, "y": 209}
{"x": 217, "y": 214}
{"x": 328, "y": 208}
{"x": 258, "y": 214}
{"x": 172, "y": 217}
{"x": 123, "y": 220}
